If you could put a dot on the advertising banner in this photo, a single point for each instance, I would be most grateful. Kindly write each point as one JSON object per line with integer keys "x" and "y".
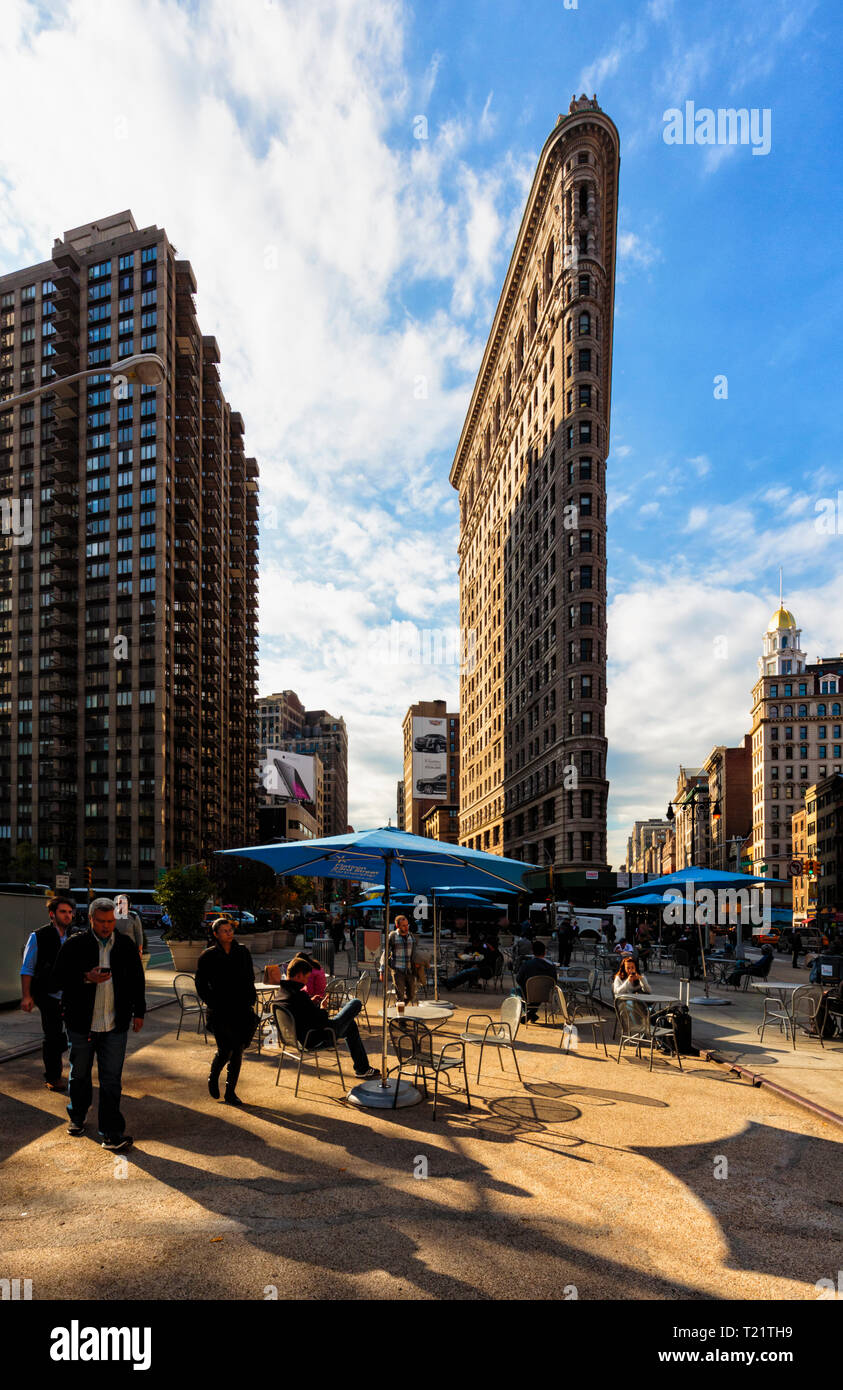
{"x": 289, "y": 775}
{"x": 430, "y": 759}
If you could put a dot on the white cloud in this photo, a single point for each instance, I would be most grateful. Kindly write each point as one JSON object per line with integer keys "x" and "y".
{"x": 346, "y": 269}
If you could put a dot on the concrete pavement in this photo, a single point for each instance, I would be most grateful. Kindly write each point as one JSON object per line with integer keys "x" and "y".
{"x": 593, "y": 1180}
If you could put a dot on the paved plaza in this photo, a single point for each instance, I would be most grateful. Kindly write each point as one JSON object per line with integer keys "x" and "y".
{"x": 592, "y": 1180}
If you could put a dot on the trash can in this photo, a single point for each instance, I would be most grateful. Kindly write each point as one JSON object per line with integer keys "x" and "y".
{"x": 322, "y": 949}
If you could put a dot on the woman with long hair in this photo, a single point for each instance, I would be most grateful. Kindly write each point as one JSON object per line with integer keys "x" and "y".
{"x": 628, "y": 980}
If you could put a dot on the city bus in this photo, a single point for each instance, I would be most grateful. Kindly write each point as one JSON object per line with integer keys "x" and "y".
{"x": 142, "y": 901}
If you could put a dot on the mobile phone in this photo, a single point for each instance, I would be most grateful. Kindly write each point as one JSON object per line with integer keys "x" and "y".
{"x": 104, "y": 970}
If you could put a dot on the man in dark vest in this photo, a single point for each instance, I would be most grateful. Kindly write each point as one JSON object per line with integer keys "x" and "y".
{"x": 100, "y": 975}
{"x": 39, "y": 957}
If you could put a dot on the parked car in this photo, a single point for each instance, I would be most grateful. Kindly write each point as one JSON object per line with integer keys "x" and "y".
{"x": 431, "y": 743}
{"x": 435, "y": 786}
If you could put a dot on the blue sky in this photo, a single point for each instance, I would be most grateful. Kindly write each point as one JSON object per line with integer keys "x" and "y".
{"x": 350, "y": 270}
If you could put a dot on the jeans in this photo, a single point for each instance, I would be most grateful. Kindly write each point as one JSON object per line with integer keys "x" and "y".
{"x": 109, "y": 1050}
{"x": 405, "y": 985}
{"x": 229, "y": 1040}
{"x": 469, "y": 976}
{"x": 54, "y": 1045}
{"x": 344, "y": 1025}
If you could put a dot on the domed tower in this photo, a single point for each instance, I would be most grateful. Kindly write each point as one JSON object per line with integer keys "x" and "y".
{"x": 783, "y": 654}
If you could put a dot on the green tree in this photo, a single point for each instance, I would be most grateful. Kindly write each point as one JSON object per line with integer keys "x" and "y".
{"x": 25, "y": 865}
{"x": 183, "y": 892}
{"x": 246, "y": 882}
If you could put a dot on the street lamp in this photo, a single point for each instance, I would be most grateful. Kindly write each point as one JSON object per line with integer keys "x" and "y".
{"x": 146, "y": 368}
{"x": 692, "y": 799}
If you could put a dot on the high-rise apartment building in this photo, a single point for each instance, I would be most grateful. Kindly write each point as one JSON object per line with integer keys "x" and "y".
{"x": 797, "y": 737}
{"x": 431, "y": 752}
{"x": 285, "y": 723}
{"x": 530, "y": 469}
{"x": 127, "y": 620}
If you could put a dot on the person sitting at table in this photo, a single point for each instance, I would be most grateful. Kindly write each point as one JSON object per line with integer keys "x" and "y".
{"x": 483, "y": 970}
{"x": 628, "y": 981}
{"x": 536, "y": 964}
{"x": 522, "y": 948}
{"x": 316, "y": 982}
{"x": 309, "y": 1018}
{"x": 758, "y": 968}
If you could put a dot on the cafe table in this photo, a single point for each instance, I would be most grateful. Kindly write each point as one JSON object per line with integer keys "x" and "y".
{"x": 427, "y": 1012}
{"x": 782, "y": 988}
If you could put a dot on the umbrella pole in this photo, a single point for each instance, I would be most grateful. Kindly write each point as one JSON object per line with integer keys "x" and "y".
{"x": 435, "y": 949}
{"x": 386, "y": 876}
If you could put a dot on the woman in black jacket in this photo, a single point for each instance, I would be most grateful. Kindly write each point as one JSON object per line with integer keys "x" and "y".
{"x": 225, "y": 981}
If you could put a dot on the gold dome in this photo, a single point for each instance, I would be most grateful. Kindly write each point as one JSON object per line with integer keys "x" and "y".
{"x": 782, "y": 618}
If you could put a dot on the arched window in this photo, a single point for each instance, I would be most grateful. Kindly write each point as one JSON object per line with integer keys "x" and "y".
{"x": 584, "y": 324}
{"x": 584, "y": 187}
{"x": 774, "y": 711}
{"x": 519, "y": 351}
{"x": 821, "y": 711}
{"x": 534, "y": 312}
{"x": 548, "y": 270}
{"x": 788, "y": 711}
{"x": 835, "y": 709}
{"x": 803, "y": 711}
{"x": 507, "y": 387}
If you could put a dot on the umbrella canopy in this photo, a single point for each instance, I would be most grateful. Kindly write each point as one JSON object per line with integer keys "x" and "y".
{"x": 643, "y": 900}
{"x": 697, "y": 878}
{"x": 414, "y": 863}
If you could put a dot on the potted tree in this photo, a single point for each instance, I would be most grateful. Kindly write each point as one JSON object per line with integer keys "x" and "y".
{"x": 183, "y": 892}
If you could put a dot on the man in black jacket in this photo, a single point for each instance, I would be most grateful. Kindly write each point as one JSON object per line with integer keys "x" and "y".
{"x": 309, "y": 1018}
{"x": 225, "y": 981}
{"x": 536, "y": 964}
{"x": 100, "y": 975}
{"x": 39, "y": 957}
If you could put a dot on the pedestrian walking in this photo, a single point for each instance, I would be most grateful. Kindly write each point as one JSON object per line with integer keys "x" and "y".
{"x": 39, "y": 957}
{"x": 225, "y": 981}
{"x": 796, "y": 943}
{"x": 128, "y": 922}
{"x": 101, "y": 979}
{"x": 401, "y": 959}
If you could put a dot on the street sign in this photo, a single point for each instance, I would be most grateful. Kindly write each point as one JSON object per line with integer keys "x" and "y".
{"x": 796, "y": 868}
{"x": 63, "y": 881}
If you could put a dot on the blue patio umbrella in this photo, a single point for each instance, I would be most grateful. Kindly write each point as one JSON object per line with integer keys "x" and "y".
{"x": 414, "y": 864}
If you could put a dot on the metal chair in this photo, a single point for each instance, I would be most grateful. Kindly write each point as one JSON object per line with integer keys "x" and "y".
{"x": 591, "y": 1020}
{"x": 288, "y": 1043}
{"x": 637, "y": 1029}
{"x": 806, "y": 1007}
{"x": 189, "y": 1003}
{"x": 538, "y": 990}
{"x": 336, "y": 994}
{"x": 500, "y": 1035}
{"x": 777, "y": 1012}
{"x": 413, "y": 1044}
{"x": 362, "y": 990}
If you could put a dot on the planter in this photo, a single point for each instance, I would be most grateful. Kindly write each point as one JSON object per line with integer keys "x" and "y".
{"x": 186, "y": 955}
{"x": 262, "y": 942}
{"x": 285, "y": 938}
{"x": 279, "y": 939}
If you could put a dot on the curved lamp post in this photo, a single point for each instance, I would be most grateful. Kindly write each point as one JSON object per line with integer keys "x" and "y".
{"x": 146, "y": 368}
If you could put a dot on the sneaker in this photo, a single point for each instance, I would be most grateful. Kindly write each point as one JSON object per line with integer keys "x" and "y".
{"x": 367, "y": 1075}
{"x": 116, "y": 1142}
{"x": 75, "y": 1130}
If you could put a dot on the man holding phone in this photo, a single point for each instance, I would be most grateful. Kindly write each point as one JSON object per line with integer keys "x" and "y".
{"x": 101, "y": 979}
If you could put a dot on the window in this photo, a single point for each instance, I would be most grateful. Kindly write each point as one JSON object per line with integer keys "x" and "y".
{"x": 584, "y": 324}
{"x": 126, "y": 262}
{"x": 148, "y": 255}
{"x": 96, "y": 272}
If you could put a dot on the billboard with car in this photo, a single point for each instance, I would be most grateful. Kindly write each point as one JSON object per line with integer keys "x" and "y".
{"x": 430, "y": 759}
